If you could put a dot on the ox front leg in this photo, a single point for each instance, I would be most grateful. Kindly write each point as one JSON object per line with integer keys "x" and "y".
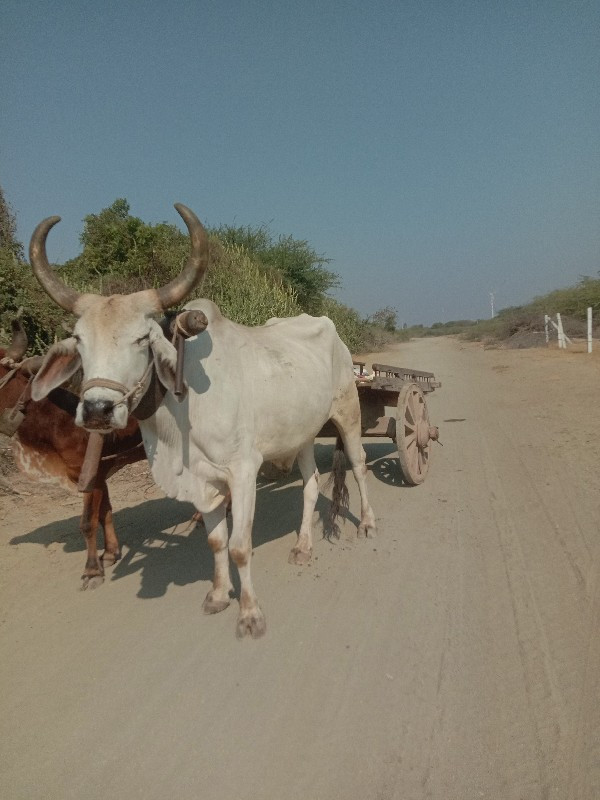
{"x": 243, "y": 498}
{"x": 93, "y": 575}
{"x": 112, "y": 549}
{"x": 301, "y": 553}
{"x": 219, "y": 596}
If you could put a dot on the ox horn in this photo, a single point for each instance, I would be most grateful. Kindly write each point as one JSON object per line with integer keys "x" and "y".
{"x": 58, "y": 291}
{"x": 18, "y": 344}
{"x": 194, "y": 270}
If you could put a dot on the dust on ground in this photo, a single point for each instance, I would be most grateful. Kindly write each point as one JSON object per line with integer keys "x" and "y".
{"x": 456, "y": 656}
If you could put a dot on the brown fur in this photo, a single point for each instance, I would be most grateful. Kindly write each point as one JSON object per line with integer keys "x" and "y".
{"x": 49, "y": 446}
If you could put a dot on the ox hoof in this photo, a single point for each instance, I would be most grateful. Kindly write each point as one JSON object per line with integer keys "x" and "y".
{"x": 109, "y": 559}
{"x": 366, "y": 532}
{"x": 299, "y": 557}
{"x": 89, "y": 582}
{"x": 252, "y": 622}
{"x": 212, "y": 605}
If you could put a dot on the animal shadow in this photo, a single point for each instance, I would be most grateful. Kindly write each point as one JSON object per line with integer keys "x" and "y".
{"x": 162, "y": 544}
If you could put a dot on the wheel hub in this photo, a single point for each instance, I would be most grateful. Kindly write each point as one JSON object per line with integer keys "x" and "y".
{"x": 422, "y": 434}
{"x": 426, "y": 433}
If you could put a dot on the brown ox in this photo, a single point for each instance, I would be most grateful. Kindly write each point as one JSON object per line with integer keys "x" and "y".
{"x": 49, "y": 446}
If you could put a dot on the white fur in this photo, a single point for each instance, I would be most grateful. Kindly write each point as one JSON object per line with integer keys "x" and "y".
{"x": 254, "y": 394}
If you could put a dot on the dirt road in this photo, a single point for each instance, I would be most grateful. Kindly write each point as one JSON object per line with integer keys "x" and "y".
{"x": 455, "y": 657}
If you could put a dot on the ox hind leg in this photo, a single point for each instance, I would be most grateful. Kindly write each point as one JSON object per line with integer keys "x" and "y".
{"x": 219, "y": 596}
{"x": 243, "y": 500}
{"x": 348, "y": 425}
{"x": 302, "y": 551}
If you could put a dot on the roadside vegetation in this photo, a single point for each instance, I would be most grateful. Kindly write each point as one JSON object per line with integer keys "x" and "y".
{"x": 520, "y": 322}
{"x": 526, "y": 323}
{"x": 253, "y": 276}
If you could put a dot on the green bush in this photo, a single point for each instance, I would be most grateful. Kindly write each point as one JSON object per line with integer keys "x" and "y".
{"x": 572, "y": 301}
{"x": 41, "y": 318}
{"x": 242, "y": 290}
{"x": 290, "y": 260}
{"x": 251, "y": 276}
{"x": 122, "y": 254}
{"x": 349, "y": 325}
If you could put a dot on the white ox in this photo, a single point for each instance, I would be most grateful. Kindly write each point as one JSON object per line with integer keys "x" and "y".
{"x": 253, "y": 395}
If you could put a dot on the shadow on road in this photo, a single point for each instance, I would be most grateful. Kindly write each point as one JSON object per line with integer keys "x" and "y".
{"x": 382, "y": 461}
{"x": 163, "y": 544}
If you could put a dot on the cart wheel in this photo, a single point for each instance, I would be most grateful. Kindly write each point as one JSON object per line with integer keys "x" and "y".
{"x": 413, "y": 434}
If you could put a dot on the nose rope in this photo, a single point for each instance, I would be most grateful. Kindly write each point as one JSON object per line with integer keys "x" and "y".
{"x": 104, "y": 383}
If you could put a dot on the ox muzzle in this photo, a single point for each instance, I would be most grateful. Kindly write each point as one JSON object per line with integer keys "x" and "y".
{"x": 104, "y": 413}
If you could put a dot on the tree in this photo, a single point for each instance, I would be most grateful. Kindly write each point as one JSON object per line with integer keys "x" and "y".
{"x": 41, "y": 317}
{"x": 8, "y": 229}
{"x": 385, "y": 318}
{"x": 121, "y": 253}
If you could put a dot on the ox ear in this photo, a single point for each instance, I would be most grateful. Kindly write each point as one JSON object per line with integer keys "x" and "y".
{"x": 60, "y": 363}
{"x": 165, "y": 357}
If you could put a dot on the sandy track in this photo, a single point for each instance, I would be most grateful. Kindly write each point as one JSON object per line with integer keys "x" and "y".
{"x": 454, "y": 657}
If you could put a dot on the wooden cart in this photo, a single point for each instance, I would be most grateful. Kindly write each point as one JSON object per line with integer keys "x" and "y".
{"x": 410, "y": 428}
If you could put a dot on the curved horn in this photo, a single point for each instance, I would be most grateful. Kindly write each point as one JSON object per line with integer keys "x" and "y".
{"x": 18, "y": 344}
{"x": 194, "y": 270}
{"x": 58, "y": 291}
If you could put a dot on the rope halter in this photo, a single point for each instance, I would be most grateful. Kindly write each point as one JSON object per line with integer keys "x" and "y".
{"x": 134, "y": 393}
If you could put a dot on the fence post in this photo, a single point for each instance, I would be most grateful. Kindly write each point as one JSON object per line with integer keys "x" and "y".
{"x": 546, "y": 318}
{"x": 561, "y": 333}
{"x": 589, "y": 329}
{"x": 558, "y": 327}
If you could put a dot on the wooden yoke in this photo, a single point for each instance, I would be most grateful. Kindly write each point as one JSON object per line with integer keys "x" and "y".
{"x": 184, "y": 326}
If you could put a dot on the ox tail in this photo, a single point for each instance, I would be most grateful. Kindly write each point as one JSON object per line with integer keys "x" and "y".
{"x": 339, "y": 495}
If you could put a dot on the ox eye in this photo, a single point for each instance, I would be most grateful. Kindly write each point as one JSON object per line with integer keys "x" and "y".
{"x": 143, "y": 339}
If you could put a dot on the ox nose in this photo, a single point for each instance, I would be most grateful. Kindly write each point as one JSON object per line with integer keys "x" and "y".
{"x": 97, "y": 411}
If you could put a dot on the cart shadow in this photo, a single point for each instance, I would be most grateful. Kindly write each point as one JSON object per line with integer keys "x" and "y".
{"x": 382, "y": 461}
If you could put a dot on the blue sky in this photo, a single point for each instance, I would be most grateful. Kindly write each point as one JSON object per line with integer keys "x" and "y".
{"x": 435, "y": 151}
